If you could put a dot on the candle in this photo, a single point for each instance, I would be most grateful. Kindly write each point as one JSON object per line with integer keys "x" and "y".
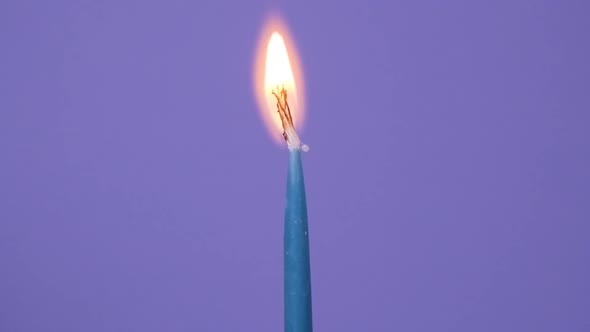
{"x": 296, "y": 252}
{"x": 282, "y": 105}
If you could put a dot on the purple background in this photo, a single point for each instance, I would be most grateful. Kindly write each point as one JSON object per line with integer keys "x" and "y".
{"x": 448, "y": 178}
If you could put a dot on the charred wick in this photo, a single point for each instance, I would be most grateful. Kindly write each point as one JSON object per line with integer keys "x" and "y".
{"x": 284, "y": 110}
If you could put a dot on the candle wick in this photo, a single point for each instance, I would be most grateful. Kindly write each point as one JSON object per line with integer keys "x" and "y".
{"x": 289, "y": 132}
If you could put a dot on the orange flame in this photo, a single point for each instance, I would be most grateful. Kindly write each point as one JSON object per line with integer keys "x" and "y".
{"x": 277, "y": 65}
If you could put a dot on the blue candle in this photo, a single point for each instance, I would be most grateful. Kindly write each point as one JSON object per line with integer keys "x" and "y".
{"x": 298, "y": 317}
{"x": 297, "y": 287}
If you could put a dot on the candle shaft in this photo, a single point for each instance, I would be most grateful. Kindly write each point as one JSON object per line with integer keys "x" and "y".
{"x": 298, "y": 313}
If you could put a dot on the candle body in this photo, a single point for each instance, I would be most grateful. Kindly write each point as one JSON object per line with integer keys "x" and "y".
{"x": 298, "y": 313}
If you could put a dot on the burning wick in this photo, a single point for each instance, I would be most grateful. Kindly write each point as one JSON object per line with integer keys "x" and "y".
{"x": 284, "y": 111}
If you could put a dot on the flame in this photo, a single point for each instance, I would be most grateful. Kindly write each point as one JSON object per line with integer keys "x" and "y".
{"x": 277, "y": 65}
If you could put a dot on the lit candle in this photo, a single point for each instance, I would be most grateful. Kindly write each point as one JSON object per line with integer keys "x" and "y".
{"x": 282, "y": 104}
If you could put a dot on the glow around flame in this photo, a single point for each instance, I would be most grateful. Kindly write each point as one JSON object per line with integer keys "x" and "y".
{"x": 277, "y": 64}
